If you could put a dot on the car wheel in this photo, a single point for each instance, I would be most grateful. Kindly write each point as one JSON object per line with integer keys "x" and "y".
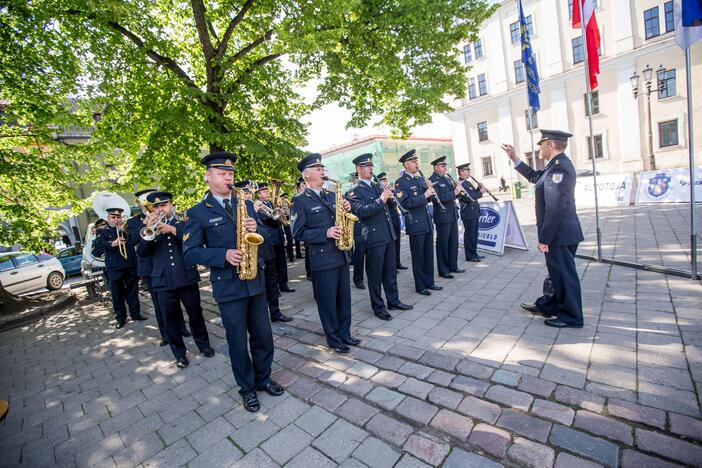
{"x": 54, "y": 281}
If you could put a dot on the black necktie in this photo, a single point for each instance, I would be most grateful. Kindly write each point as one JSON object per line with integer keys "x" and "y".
{"x": 228, "y": 207}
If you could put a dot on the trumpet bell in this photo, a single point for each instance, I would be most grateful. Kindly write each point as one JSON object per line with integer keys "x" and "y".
{"x": 147, "y": 234}
{"x": 102, "y": 201}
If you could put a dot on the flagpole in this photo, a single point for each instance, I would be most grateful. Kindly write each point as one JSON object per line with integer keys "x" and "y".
{"x": 531, "y": 131}
{"x": 691, "y": 155}
{"x": 592, "y": 135}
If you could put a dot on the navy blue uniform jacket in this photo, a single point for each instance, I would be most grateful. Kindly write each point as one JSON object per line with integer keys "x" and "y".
{"x": 556, "y": 219}
{"x": 169, "y": 270}
{"x": 444, "y": 191}
{"x": 209, "y": 232}
{"x": 310, "y": 218}
{"x": 470, "y": 209}
{"x": 113, "y": 260}
{"x": 134, "y": 225}
{"x": 410, "y": 192}
{"x": 376, "y": 225}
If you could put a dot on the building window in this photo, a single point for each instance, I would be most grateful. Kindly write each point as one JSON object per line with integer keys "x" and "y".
{"x": 599, "y": 148}
{"x": 666, "y": 83}
{"x": 467, "y": 54}
{"x": 482, "y": 131}
{"x": 518, "y": 71}
{"x": 471, "y": 88}
{"x": 482, "y": 84}
{"x": 578, "y": 53}
{"x": 669, "y": 17}
{"x": 533, "y": 122}
{"x": 668, "y": 133}
{"x": 514, "y": 32}
{"x": 529, "y": 25}
{"x": 595, "y": 103}
{"x": 478, "y": 48}
{"x": 486, "y": 162}
{"x": 651, "y": 24}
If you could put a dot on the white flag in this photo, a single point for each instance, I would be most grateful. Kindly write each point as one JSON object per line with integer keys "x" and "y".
{"x": 684, "y": 36}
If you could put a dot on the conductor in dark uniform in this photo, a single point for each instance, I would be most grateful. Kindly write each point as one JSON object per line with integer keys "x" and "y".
{"x": 413, "y": 192}
{"x": 369, "y": 202}
{"x": 396, "y": 225}
{"x": 210, "y": 238}
{"x": 120, "y": 271}
{"x": 446, "y": 220}
{"x": 558, "y": 227}
{"x": 173, "y": 280}
{"x": 470, "y": 213}
{"x": 276, "y": 238}
{"x": 313, "y": 221}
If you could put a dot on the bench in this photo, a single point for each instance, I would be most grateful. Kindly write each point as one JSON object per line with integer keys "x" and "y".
{"x": 95, "y": 286}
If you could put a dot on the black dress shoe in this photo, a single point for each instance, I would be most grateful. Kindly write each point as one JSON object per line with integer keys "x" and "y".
{"x": 341, "y": 349}
{"x": 447, "y": 276}
{"x": 251, "y": 403}
{"x": 401, "y": 267}
{"x": 360, "y": 285}
{"x": 474, "y": 259}
{"x": 351, "y": 341}
{"x": 182, "y": 363}
{"x": 286, "y": 289}
{"x": 140, "y": 318}
{"x": 424, "y": 292}
{"x": 281, "y": 318}
{"x": 558, "y": 324}
{"x": 300, "y": 256}
{"x": 458, "y": 271}
{"x": 272, "y": 388}
{"x": 533, "y": 308}
{"x": 435, "y": 287}
{"x": 383, "y": 315}
{"x": 186, "y": 333}
{"x": 480, "y": 257}
{"x": 208, "y": 352}
{"x": 120, "y": 324}
{"x": 163, "y": 342}
{"x": 400, "y": 306}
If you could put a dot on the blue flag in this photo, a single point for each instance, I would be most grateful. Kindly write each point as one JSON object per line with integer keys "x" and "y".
{"x": 691, "y": 13}
{"x": 532, "y": 74}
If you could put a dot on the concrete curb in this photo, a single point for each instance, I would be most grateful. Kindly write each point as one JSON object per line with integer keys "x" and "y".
{"x": 37, "y": 314}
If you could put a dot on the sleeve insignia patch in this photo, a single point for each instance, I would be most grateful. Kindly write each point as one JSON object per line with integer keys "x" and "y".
{"x": 399, "y": 194}
{"x": 557, "y": 178}
{"x": 186, "y": 236}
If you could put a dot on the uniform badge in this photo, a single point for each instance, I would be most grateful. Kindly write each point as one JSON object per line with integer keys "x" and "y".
{"x": 399, "y": 194}
{"x": 350, "y": 194}
{"x": 186, "y": 236}
{"x": 557, "y": 178}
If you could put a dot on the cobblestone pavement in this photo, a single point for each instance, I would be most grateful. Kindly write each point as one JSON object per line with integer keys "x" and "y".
{"x": 465, "y": 379}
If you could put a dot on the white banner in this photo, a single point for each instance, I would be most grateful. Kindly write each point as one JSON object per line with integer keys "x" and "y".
{"x": 498, "y": 226}
{"x": 612, "y": 190}
{"x": 668, "y": 186}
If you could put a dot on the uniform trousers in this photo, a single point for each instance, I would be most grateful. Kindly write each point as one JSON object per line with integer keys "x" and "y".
{"x": 422, "y": 260}
{"x": 446, "y": 248}
{"x": 398, "y": 233}
{"x": 382, "y": 272}
{"x": 157, "y": 310}
{"x": 470, "y": 237}
{"x": 169, "y": 303}
{"x": 567, "y": 301}
{"x": 271, "y": 282}
{"x": 124, "y": 286}
{"x": 332, "y": 292}
{"x": 357, "y": 259}
{"x": 281, "y": 265}
{"x": 289, "y": 242}
{"x": 242, "y": 317}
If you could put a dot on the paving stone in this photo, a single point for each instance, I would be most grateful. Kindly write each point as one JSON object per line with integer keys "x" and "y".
{"x": 311, "y": 369}
{"x": 573, "y": 377}
{"x": 356, "y": 386}
{"x": 284, "y": 377}
{"x": 509, "y": 397}
{"x": 367, "y": 355}
{"x": 141, "y": 428}
{"x": 634, "y": 459}
{"x": 328, "y": 399}
{"x": 444, "y": 397}
{"x": 491, "y": 439}
{"x": 363, "y": 370}
{"x": 356, "y": 411}
{"x": 604, "y": 426}
{"x": 96, "y": 453}
{"x": 390, "y": 430}
{"x": 216, "y": 407}
{"x": 332, "y": 377}
{"x": 462, "y": 459}
{"x": 177, "y": 454}
{"x": 480, "y": 409}
{"x": 537, "y": 386}
{"x": 390, "y": 362}
{"x": 440, "y": 377}
{"x": 668, "y": 398}
{"x": 576, "y": 397}
{"x": 637, "y": 413}
{"x": 439, "y": 361}
{"x": 389, "y": 379}
{"x": 506, "y": 377}
{"x": 566, "y": 460}
{"x": 239, "y": 417}
{"x": 224, "y": 453}
{"x": 315, "y": 421}
{"x": 352, "y": 462}
{"x": 453, "y": 423}
{"x": 416, "y": 388}
{"x": 415, "y": 370}
{"x": 684, "y": 425}
{"x": 553, "y": 411}
{"x": 287, "y": 411}
{"x": 308, "y": 458}
{"x": 181, "y": 427}
{"x": 416, "y": 410}
{"x": 668, "y": 447}
{"x": 139, "y": 450}
{"x": 209, "y": 434}
{"x": 256, "y": 459}
{"x": 407, "y": 352}
{"x": 385, "y": 398}
{"x": 286, "y": 444}
{"x": 523, "y": 424}
{"x": 339, "y": 440}
{"x": 530, "y": 454}
{"x": 304, "y": 388}
{"x": 408, "y": 461}
{"x": 376, "y": 453}
{"x": 427, "y": 448}
{"x": 470, "y": 385}
{"x": 474, "y": 369}
{"x": 585, "y": 445}
{"x": 253, "y": 433}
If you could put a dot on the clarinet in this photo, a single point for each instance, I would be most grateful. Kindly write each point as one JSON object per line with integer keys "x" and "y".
{"x": 433, "y": 198}
{"x": 486, "y": 190}
{"x": 403, "y": 210}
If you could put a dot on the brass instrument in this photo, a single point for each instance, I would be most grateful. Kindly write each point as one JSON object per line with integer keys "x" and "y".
{"x": 122, "y": 245}
{"x": 102, "y": 201}
{"x": 278, "y": 202}
{"x": 247, "y": 242}
{"x": 150, "y": 231}
{"x": 344, "y": 220}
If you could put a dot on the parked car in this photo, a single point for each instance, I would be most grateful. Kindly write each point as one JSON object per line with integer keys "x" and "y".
{"x": 70, "y": 258}
{"x": 21, "y": 272}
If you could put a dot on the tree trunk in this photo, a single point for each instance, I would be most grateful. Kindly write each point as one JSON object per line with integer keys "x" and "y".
{"x": 10, "y": 303}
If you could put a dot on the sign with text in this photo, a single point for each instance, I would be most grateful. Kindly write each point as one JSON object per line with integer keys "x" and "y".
{"x": 671, "y": 186}
{"x": 498, "y": 226}
{"x": 612, "y": 190}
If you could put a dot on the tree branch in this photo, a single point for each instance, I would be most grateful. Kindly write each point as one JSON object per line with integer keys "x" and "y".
{"x": 258, "y": 63}
{"x": 212, "y": 30}
{"x": 243, "y": 52}
{"x": 203, "y": 33}
{"x": 222, "y": 47}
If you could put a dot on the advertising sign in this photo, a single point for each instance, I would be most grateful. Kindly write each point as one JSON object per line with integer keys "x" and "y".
{"x": 671, "y": 185}
{"x": 498, "y": 226}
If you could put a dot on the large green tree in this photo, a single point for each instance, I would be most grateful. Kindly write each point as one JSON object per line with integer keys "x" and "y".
{"x": 171, "y": 78}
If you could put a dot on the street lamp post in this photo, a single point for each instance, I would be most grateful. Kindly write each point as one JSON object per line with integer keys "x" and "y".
{"x": 661, "y": 86}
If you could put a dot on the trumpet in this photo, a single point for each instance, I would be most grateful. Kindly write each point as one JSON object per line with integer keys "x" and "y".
{"x": 150, "y": 231}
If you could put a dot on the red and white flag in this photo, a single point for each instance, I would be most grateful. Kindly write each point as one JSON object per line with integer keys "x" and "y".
{"x": 592, "y": 36}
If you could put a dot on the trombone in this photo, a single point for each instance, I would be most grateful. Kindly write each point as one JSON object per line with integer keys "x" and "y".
{"x": 122, "y": 242}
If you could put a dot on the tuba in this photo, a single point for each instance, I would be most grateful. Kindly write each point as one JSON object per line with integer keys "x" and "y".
{"x": 344, "y": 220}
{"x": 102, "y": 201}
{"x": 247, "y": 242}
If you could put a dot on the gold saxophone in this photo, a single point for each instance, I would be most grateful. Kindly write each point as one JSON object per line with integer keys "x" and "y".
{"x": 247, "y": 242}
{"x": 344, "y": 220}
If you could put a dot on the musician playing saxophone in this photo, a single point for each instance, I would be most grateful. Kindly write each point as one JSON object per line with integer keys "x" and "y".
{"x": 211, "y": 238}
{"x": 313, "y": 218}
